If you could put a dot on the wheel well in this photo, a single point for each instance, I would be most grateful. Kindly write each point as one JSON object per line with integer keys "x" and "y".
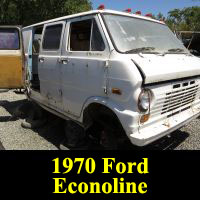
{"x": 96, "y": 111}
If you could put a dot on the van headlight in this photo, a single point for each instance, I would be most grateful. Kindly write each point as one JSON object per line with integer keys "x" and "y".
{"x": 144, "y": 100}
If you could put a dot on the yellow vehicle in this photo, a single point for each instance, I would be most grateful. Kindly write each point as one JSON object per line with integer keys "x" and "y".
{"x": 11, "y": 58}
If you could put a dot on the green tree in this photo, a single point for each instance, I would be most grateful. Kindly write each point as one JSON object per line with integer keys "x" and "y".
{"x": 185, "y": 19}
{"x": 26, "y": 12}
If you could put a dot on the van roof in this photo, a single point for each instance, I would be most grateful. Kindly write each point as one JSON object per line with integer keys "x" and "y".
{"x": 11, "y": 26}
{"x": 95, "y": 12}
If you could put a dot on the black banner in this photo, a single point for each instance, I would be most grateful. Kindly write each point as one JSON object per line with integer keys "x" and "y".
{"x": 99, "y": 175}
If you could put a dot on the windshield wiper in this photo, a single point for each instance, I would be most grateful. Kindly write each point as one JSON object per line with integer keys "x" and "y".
{"x": 178, "y": 50}
{"x": 141, "y": 50}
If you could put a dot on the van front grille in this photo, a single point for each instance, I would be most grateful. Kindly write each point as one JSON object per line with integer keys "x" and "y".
{"x": 179, "y": 98}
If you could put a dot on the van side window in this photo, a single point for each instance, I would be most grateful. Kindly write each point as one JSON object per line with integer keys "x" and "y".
{"x": 80, "y": 35}
{"x": 85, "y": 36}
{"x": 52, "y": 37}
{"x": 97, "y": 43}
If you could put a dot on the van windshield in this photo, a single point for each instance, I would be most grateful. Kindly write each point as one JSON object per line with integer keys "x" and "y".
{"x": 133, "y": 35}
{"x": 9, "y": 39}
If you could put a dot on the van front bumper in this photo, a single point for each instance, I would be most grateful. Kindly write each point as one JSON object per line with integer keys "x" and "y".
{"x": 158, "y": 130}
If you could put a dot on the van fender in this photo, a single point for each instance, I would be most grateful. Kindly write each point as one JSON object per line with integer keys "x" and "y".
{"x": 103, "y": 101}
{"x": 125, "y": 117}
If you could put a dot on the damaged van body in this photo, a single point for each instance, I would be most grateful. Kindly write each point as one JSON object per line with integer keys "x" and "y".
{"x": 123, "y": 70}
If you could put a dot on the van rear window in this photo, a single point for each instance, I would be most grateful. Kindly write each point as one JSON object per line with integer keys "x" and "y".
{"x": 9, "y": 39}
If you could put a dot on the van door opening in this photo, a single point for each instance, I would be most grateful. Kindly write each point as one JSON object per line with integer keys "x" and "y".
{"x": 35, "y": 82}
{"x": 11, "y": 58}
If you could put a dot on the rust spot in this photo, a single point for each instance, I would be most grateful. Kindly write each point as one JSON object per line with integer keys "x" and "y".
{"x": 167, "y": 124}
{"x": 116, "y": 91}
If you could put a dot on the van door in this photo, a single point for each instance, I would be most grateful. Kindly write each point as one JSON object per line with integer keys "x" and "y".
{"x": 11, "y": 58}
{"x": 83, "y": 59}
{"x": 27, "y": 42}
{"x": 49, "y": 65}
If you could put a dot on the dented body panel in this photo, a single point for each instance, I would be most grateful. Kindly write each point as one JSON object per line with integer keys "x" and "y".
{"x": 157, "y": 68}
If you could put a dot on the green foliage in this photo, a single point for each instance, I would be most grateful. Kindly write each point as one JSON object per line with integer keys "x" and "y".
{"x": 26, "y": 12}
{"x": 187, "y": 19}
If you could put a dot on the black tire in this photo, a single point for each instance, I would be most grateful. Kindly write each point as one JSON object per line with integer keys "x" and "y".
{"x": 75, "y": 134}
{"x": 23, "y": 110}
{"x": 35, "y": 117}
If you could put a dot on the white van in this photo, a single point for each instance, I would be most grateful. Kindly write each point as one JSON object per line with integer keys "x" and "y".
{"x": 127, "y": 72}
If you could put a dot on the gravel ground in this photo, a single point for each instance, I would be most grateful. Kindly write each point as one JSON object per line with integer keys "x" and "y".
{"x": 49, "y": 137}
{"x": 14, "y": 137}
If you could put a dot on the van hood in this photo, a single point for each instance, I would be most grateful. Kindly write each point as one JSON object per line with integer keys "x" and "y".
{"x": 157, "y": 68}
